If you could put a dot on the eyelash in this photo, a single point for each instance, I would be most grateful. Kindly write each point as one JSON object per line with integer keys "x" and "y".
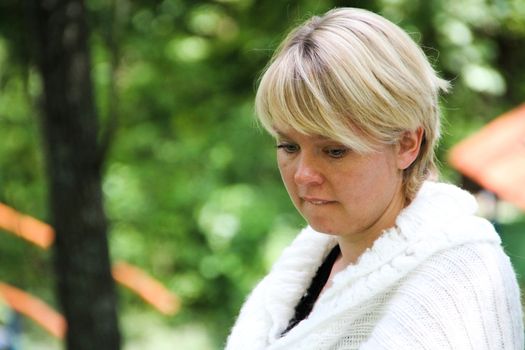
{"x": 341, "y": 152}
{"x": 290, "y": 148}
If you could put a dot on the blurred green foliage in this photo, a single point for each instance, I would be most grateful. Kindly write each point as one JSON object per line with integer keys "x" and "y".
{"x": 191, "y": 188}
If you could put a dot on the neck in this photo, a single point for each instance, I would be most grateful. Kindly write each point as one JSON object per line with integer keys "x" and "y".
{"x": 352, "y": 247}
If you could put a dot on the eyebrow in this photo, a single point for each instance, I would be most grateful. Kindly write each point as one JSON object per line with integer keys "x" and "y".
{"x": 318, "y": 137}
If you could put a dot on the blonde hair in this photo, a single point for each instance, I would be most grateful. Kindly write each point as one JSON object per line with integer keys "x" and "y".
{"x": 357, "y": 78}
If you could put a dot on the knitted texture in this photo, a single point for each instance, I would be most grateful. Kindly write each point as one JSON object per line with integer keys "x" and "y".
{"x": 439, "y": 279}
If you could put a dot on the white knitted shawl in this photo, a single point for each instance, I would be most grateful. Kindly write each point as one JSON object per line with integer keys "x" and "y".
{"x": 437, "y": 280}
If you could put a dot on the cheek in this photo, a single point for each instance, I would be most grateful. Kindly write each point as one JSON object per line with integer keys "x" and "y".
{"x": 287, "y": 172}
{"x": 386, "y": 180}
{"x": 368, "y": 181}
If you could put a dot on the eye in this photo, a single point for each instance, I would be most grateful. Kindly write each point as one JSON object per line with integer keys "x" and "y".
{"x": 288, "y": 147}
{"x": 336, "y": 152}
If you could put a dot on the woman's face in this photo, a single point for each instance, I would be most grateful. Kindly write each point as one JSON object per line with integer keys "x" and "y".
{"x": 339, "y": 191}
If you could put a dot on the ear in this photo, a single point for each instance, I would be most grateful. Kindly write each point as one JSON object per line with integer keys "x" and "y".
{"x": 408, "y": 147}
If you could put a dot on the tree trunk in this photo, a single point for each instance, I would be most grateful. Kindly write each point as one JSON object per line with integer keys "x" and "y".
{"x": 73, "y": 159}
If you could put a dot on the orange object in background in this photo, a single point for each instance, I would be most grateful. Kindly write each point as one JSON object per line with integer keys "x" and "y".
{"x": 43, "y": 235}
{"x": 494, "y": 157}
{"x": 27, "y": 227}
{"x": 34, "y": 308}
{"x": 148, "y": 288}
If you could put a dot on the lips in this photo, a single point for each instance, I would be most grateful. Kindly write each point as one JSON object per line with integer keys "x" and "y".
{"x": 316, "y": 201}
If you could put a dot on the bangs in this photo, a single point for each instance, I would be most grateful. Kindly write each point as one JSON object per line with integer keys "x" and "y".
{"x": 295, "y": 92}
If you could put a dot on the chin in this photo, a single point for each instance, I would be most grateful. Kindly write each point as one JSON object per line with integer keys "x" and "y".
{"x": 323, "y": 229}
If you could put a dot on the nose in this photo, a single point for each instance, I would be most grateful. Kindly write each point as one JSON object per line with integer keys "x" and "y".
{"x": 308, "y": 171}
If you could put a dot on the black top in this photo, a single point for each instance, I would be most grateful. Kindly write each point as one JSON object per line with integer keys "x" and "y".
{"x": 305, "y": 305}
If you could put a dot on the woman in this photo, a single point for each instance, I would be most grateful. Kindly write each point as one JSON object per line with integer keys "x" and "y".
{"x": 390, "y": 259}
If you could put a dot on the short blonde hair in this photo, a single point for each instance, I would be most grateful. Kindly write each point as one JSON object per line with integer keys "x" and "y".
{"x": 357, "y": 78}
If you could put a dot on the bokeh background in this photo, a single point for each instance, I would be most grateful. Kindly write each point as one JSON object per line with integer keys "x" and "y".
{"x": 190, "y": 183}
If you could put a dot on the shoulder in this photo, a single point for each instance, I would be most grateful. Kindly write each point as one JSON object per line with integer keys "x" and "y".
{"x": 271, "y": 304}
{"x": 473, "y": 270}
{"x": 465, "y": 297}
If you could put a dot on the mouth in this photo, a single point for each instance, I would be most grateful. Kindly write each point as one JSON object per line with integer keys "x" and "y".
{"x": 316, "y": 201}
